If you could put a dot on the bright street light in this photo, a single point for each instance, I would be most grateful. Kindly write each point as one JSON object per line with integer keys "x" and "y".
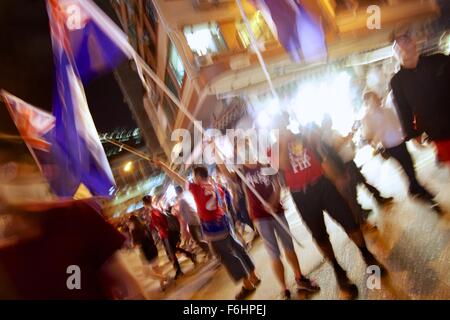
{"x": 128, "y": 166}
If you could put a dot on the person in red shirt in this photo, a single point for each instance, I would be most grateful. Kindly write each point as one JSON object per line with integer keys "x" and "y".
{"x": 313, "y": 192}
{"x": 158, "y": 222}
{"x": 269, "y": 188}
{"x": 46, "y": 243}
{"x": 217, "y": 229}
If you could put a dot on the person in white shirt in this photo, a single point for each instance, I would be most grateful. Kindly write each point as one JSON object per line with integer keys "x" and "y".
{"x": 381, "y": 126}
{"x": 190, "y": 218}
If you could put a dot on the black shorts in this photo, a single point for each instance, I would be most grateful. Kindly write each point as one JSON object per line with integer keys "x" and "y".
{"x": 318, "y": 197}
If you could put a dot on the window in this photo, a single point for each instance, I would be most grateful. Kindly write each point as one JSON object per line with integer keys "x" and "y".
{"x": 205, "y": 38}
{"x": 171, "y": 85}
{"x": 259, "y": 27}
{"x": 176, "y": 64}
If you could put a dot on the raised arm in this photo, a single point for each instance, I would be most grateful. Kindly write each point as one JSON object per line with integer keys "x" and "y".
{"x": 284, "y": 152}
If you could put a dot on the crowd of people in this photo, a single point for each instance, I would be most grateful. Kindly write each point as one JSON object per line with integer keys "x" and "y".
{"x": 211, "y": 212}
{"x": 317, "y": 167}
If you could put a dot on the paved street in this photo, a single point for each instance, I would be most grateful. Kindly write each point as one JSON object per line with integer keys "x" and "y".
{"x": 411, "y": 240}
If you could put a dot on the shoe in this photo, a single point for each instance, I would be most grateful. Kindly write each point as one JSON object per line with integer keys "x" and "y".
{"x": 244, "y": 293}
{"x": 286, "y": 295}
{"x": 370, "y": 260}
{"x": 367, "y": 228}
{"x": 424, "y": 196}
{"x": 164, "y": 284}
{"x": 428, "y": 198}
{"x": 305, "y": 284}
{"x": 178, "y": 274}
{"x": 383, "y": 200}
{"x": 349, "y": 291}
{"x": 437, "y": 208}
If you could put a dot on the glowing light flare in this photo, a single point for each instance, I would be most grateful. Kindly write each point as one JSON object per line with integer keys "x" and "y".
{"x": 269, "y": 109}
{"x": 128, "y": 166}
{"x": 263, "y": 120}
{"x": 331, "y": 96}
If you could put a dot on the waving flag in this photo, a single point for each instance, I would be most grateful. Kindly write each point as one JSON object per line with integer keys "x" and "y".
{"x": 37, "y": 128}
{"x": 97, "y": 45}
{"x": 299, "y": 33}
{"x": 85, "y": 44}
{"x": 32, "y": 123}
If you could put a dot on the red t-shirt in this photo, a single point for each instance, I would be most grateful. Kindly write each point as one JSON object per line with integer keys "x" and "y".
{"x": 264, "y": 185}
{"x": 208, "y": 206}
{"x": 443, "y": 150}
{"x": 159, "y": 223}
{"x": 71, "y": 233}
{"x": 304, "y": 167}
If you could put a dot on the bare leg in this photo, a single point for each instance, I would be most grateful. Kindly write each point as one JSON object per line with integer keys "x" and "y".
{"x": 278, "y": 268}
{"x": 291, "y": 257}
{"x": 253, "y": 277}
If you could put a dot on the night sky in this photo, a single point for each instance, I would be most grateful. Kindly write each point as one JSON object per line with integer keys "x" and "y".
{"x": 26, "y": 68}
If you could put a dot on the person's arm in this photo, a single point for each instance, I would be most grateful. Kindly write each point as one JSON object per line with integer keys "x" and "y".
{"x": 340, "y": 141}
{"x": 404, "y": 110}
{"x": 367, "y": 132}
{"x": 284, "y": 152}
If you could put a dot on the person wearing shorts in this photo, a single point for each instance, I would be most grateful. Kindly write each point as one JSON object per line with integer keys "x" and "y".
{"x": 268, "y": 187}
{"x": 217, "y": 228}
{"x": 313, "y": 193}
{"x": 190, "y": 217}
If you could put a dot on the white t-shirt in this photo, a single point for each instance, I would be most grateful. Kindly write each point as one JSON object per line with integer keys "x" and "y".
{"x": 383, "y": 125}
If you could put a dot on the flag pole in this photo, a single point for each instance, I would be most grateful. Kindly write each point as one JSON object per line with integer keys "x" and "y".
{"x": 181, "y": 106}
{"x": 135, "y": 152}
{"x": 11, "y": 137}
{"x": 256, "y": 48}
{"x": 141, "y": 63}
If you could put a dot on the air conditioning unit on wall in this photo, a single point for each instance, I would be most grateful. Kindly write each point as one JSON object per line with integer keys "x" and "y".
{"x": 203, "y": 61}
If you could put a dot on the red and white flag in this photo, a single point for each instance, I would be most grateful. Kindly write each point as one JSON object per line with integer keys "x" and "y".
{"x": 32, "y": 123}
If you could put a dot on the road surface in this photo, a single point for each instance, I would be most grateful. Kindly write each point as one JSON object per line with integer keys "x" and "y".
{"x": 411, "y": 240}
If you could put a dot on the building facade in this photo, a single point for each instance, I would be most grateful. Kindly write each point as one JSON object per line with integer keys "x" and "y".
{"x": 202, "y": 50}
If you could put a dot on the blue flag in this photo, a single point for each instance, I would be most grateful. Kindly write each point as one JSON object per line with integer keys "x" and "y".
{"x": 300, "y": 34}
{"x": 85, "y": 44}
{"x": 97, "y": 44}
